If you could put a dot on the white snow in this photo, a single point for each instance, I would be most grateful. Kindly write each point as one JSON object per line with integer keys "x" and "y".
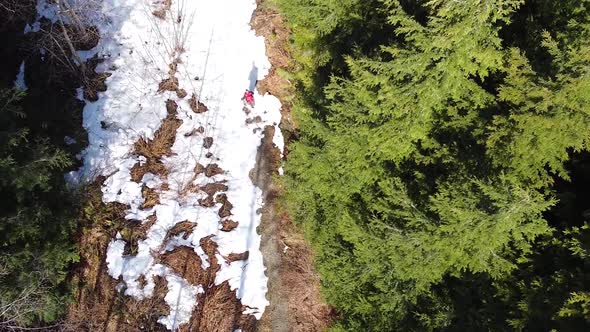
{"x": 19, "y": 83}
{"x": 69, "y": 140}
{"x": 221, "y": 49}
{"x": 179, "y": 292}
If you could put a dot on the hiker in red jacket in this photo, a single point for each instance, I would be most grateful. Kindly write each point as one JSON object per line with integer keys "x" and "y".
{"x": 249, "y": 97}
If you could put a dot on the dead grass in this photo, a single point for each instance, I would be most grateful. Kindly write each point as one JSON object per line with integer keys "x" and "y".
{"x": 164, "y": 137}
{"x": 302, "y": 282}
{"x": 228, "y": 225}
{"x": 184, "y": 261}
{"x": 218, "y": 311}
{"x": 95, "y": 303}
{"x": 207, "y": 202}
{"x": 98, "y": 306}
{"x": 154, "y": 166}
{"x": 94, "y": 82}
{"x": 212, "y": 188}
{"x": 164, "y": 8}
{"x": 133, "y": 231}
{"x": 168, "y": 84}
{"x": 142, "y": 315}
{"x": 185, "y": 227}
{"x": 196, "y": 105}
{"x": 212, "y": 170}
{"x": 181, "y": 93}
{"x": 226, "y": 206}
{"x": 294, "y": 285}
{"x": 150, "y": 196}
{"x": 233, "y": 257}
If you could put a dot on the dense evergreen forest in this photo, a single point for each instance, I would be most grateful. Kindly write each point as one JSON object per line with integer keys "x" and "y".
{"x": 38, "y": 213}
{"x": 442, "y": 168}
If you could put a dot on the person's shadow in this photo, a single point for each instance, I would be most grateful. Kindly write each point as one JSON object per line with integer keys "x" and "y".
{"x": 253, "y": 77}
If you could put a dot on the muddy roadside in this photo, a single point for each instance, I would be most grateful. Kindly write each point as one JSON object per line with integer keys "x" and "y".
{"x": 293, "y": 284}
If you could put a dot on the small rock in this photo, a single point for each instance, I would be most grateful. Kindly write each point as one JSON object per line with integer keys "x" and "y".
{"x": 207, "y": 142}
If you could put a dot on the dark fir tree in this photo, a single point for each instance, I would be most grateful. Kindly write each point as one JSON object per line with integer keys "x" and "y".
{"x": 36, "y": 220}
{"x": 432, "y": 134}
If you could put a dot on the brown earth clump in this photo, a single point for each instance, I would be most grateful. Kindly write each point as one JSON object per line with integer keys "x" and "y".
{"x": 185, "y": 227}
{"x": 206, "y": 202}
{"x": 168, "y": 84}
{"x": 207, "y": 142}
{"x": 196, "y": 105}
{"x": 233, "y": 257}
{"x": 212, "y": 170}
{"x": 199, "y": 169}
{"x": 228, "y": 225}
{"x": 185, "y": 262}
{"x": 226, "y": 206}
{"x": 212, "y": 188}
{"x": 218, "y": 310}
{"x": 164, "y": 7}
{"x": 150, "y": 196}
{"x": 164, "y": 137}
{"x": 181, "y": 93}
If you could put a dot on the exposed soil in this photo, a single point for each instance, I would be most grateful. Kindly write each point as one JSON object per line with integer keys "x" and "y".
{"x": 197, "y": 106}
{"x": 293, "y": 285}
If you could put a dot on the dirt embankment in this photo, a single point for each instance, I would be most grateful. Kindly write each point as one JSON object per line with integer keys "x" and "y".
{"x": 293, "y": 285}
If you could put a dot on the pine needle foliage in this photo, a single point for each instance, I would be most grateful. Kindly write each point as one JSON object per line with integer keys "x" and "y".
{"x": 432, "y": 135}
{"x": 36, "y": 221}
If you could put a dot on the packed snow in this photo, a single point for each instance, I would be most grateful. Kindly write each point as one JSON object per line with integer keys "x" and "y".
{"x": 221, "y": 57}
{"x": 20, "y": 83}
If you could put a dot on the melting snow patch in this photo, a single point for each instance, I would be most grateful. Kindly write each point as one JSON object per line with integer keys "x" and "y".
{"x": 181, "y": 298}
{"x": 221, "y": 49}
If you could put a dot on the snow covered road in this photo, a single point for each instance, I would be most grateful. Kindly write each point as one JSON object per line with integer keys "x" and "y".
{"x": 186, "y": 70}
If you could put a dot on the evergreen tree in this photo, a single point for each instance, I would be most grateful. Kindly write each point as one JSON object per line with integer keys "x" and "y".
{"x": 425, "y": 167}
{"x": 36, "y": 220}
